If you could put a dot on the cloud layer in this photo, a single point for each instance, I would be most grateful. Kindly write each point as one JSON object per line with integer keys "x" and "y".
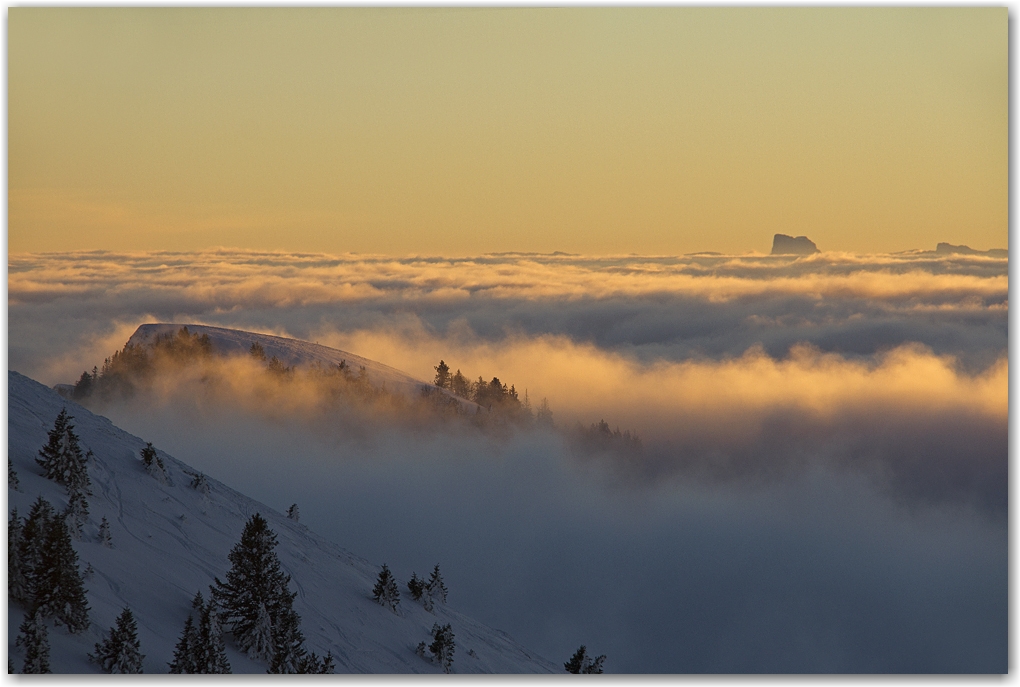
{"x": 823, "y": 484}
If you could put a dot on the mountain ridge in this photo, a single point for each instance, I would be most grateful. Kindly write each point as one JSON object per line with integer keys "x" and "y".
{"x": 171, "y": 540}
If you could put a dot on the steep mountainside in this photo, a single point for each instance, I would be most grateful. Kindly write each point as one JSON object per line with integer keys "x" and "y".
{"x": 170, "y": 540}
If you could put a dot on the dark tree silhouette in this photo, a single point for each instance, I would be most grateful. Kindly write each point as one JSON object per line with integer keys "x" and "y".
{"x": 120, "y": 651}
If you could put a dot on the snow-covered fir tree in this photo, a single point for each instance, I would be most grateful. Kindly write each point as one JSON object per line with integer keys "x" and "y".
{"x": 200, "y": 648}
{"x": 416, "y": 586}
{"x": 105, "y": 538}
{"x": 255, "y": 597}
{"x": 184, "y": 652}
{"x": 435, "y": 588}
{"x": 442, "y": 646}
{"x": 17, "y": 584}
{"x": 210, "y": 635}
{"x": 34, "y": 640}
{"x": 120, "y": 652}
{"x": 56, "y": 581}
{"x": 61, "y": 458}
{"x": 199, "y": 483}
{"x": 385, "y": 591}
{"x": 76, "y": 514}
{"x": 153, "y": 463}
{"x": 33, "y": 539}
{"x": 312, "y": 664}
{"x": 289, "y": 653}
{"x": 582, "y": 663}
{"x": 12, "y": 477}
{"x": 293, "y": 513}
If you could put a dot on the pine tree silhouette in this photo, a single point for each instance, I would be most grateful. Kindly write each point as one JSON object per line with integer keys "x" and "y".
{"x": 153, "y": 463}
{"x": 442, "y": 646}
{"x": 435, "y": 589}
{"x": 385, "y": 591}
{"x": 12, "y": 477}
{"x": 61, "y": 458}
{"x": 56, "y": 580}
{"x": 33, "y": 539}
{"x": 104, "y": 533}
{"x": 255, "y": 599}
{"x": 17, "y": 583}
{"x": 416, "y": 586}
{"x": 184, "y": 659}
{"x": 289, "y": 653}
{"x": 200, "y": 648}
{"x": 33, "y": 638}
{"x": 581, "y": 663}
{"x": 120, "y": 651}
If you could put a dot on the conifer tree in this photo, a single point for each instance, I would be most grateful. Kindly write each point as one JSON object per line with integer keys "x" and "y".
{"x": 416, "y": 586}
{"x": 255, "y": 598}
{"x": 184, "y": 651}
{"x": 56, "y": 581}
{"x": 435, "y": 589}
{"x": 293, "y": 513}
{"x": 57, "y": 587}
{"x": 289, "y": 653}
{"x": 385, "y": 591}
{"x": 17, "y": 584}
{"x": 78, "y": 477}
{"x": 61, "y": 458}
{"x": 120, "y": 651}
{"x": 104, "y": 533}
{"x": 33, "y": 539}
{"x": 442, "y": 375}
{"x": 313, "y": 664}
{"x": 544, "y": 415}
{"x": 582, "y": 663}
{"x": 200, "y": 648}
{"x": 77, "y": 513}
{"x": 210, "y": 636}
{"x": 200, "y": 483}
{"x": 442, "y": 646}
{"x": 153, "y": 463}
{"x": 12, "y": 477}
{"x": 34, "y": 639}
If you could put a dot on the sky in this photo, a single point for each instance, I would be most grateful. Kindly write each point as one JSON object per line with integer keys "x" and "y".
{"x": 460, "y": 131}
{"x": 825, "y": 457}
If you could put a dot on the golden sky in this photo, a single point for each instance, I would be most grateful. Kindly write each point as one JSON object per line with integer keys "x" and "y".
{"x": 459, "y": 131}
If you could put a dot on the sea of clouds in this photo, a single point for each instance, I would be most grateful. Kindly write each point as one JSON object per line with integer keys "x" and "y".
{"x": 823, "y": 484}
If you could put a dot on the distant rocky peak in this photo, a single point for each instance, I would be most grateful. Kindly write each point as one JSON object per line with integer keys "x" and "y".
{"x": 790, "y": 245}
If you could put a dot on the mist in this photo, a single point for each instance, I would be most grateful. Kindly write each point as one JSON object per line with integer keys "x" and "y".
{"x": 815, "y": 572}
{"x": 823, "y": 480}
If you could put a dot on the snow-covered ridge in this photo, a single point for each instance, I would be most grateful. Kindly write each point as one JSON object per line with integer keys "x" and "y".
{"x": 170, "y": 540}
{"x": 291, "y": 352}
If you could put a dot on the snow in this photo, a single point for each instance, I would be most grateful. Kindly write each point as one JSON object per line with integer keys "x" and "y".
{"x": 170, "y": 540}
{"x": 291, "y": 352}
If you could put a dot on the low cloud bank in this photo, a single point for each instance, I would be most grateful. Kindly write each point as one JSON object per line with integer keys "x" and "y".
{"x": 647, "y": 308}
{"x": 823, "y": 480}
{"x": 817, "y": 571}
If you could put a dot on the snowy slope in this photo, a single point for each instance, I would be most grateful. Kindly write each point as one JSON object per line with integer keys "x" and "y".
{"x": 292, "y": 352}
{"x": 169, "y": 541}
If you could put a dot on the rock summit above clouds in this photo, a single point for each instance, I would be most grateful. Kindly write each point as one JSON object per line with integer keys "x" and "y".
{"x": 949, "y": 249}
{"x": 789, "y": 245}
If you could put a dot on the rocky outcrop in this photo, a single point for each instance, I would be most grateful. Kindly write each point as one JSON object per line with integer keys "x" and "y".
{"x": 789, "y": 245}
{"x": 949, "y": 249}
